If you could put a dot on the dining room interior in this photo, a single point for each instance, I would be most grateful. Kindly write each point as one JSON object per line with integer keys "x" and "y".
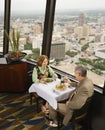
{"x": 56, "y": 34}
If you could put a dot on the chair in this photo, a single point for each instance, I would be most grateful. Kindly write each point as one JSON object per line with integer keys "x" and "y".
{"x": 78, "y": 115}
{"x": 38, "y": 101}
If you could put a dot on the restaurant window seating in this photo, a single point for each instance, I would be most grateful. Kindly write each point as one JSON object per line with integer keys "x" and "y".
{"x": 79, "y": 115}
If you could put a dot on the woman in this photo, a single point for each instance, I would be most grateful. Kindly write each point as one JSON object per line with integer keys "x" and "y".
{"x": 41, "y": 71}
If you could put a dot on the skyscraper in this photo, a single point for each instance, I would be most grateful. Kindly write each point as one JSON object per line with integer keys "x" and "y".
{"x": 38, "y": 28}
{"x": 81, "y": 19}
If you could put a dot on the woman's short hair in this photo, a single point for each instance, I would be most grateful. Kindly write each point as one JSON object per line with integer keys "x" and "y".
{"x": 81, "y": 70}
{"x": 41, "y": 59}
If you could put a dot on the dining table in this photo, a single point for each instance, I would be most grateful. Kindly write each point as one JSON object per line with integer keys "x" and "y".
{"x": 49, "y": 92}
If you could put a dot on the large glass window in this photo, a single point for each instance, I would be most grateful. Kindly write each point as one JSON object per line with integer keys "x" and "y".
{"x": 27, "y": 16}
{"x": 1, "y": 24}
{"x": 79, "y": 37}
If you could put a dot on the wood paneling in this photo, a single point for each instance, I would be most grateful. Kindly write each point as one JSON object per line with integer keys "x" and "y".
{"x": 13, "y": 77}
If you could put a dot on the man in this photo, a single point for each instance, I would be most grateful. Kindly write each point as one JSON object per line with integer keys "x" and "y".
{"x": 84, "y": 90}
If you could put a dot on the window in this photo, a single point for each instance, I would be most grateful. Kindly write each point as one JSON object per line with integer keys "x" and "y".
{"x": 1, "y": 24}
{"x": 79, "y": 37}
{"x": 28, "y": 17}
{"x": 78, "y": 33}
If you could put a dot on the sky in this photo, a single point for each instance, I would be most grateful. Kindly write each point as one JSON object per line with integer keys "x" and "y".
{"x": 29, "y": 5}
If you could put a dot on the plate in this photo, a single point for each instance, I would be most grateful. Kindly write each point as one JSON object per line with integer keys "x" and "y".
{"x": 48, "y": 80}
{"x": 61, "y": 87}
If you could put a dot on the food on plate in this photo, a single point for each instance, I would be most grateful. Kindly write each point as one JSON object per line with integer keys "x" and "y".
{"x": 48, "y": 80}
{"x": 61, "y": 86}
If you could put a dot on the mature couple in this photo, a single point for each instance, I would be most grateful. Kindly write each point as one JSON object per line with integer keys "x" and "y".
{"x": 84, "y": 90}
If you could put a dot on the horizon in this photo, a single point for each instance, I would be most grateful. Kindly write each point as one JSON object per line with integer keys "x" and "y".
{"x": 58, "y": 10}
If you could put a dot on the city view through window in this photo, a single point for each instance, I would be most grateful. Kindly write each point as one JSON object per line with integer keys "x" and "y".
{"x": 78, "y": 33}
{"x": 79, "y": 37}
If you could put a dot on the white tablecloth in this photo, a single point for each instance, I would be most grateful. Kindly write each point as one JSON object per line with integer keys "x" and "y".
{"x": 49, "y": 93}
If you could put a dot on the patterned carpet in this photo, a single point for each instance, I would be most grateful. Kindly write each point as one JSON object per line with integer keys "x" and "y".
{"x": 16, "y": 113}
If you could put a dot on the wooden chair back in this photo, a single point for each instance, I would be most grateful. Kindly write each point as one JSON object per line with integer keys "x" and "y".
{"x": 81, "y": 114}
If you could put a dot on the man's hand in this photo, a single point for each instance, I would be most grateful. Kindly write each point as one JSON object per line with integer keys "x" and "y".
{"x": 67, "y": 103}
{"x": 66, "y": 80}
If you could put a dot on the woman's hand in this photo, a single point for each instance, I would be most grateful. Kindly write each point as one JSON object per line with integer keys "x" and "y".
{"x": 41, "y": 81}
{"x": 55, "y": 76}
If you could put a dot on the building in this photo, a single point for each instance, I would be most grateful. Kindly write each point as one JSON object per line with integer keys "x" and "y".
{"x": 57, "y": 50}
{"x": 81, "y": 19}
{"x": 100, "y": 53}
{"x": 82, "y": 31}
{"x": 38, "y": 28}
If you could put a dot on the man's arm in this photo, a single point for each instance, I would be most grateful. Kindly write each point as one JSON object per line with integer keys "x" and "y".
{"x": 78, "y": 99}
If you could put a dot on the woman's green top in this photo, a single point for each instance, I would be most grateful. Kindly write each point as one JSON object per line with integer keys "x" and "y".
{"x": 36, "y": 70}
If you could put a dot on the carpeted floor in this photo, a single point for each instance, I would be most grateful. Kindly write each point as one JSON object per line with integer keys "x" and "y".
{"x": 16, "y": 113}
